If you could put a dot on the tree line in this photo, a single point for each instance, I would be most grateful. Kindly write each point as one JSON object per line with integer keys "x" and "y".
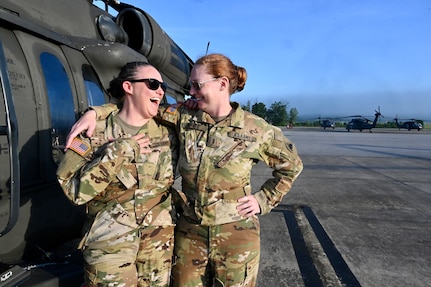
{"x": 276, "y": 114}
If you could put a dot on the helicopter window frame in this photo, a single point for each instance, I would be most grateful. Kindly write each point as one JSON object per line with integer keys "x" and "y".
{"x": 60, "y": 96}
{"x": 93, "y": 89}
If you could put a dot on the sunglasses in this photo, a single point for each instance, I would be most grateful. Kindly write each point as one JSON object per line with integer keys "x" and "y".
{"x": 152, "y": 84}
{"x": 198, "y": 85}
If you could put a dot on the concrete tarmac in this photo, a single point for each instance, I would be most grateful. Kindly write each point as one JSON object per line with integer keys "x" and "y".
{"x": 358, "y": 215}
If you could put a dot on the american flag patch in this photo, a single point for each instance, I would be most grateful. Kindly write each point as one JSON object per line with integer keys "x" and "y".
{"x": 80, "y": 147}
{"x": 173, "y": 108}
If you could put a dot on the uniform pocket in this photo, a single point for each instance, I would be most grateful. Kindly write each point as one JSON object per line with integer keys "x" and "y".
{"x": 111, "y": 222}
{"x": 244, "y": 275}
{"x": 220, "y": 212}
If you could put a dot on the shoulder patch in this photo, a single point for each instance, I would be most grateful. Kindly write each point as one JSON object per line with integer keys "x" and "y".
{"x": 173, "y": 108}
{"x": 80, "y": 147}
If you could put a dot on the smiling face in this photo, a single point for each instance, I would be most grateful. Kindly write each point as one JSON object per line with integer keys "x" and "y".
{"x": 141, "y": 101}
{"x": 210, "y": 92}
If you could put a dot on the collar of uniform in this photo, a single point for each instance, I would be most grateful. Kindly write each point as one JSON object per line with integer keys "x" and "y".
{"x": 151, "y": 128}
{"x": 236, "y": 119}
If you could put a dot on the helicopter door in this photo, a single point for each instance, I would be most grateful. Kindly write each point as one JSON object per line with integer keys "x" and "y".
{"x": 45, "y": 102}
{"x": 54, "y": 98}
{"x": 9, "y": 162}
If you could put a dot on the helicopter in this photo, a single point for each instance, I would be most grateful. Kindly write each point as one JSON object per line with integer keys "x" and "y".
{"x": 410, "y": 124}
{"x": 361, "y": 123}
{"x": 326, "y": 123}
{"x": 57, "y": 59}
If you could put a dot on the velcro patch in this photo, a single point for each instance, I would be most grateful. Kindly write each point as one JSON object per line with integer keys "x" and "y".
{"x": 197, "y": 126}
{"x": 159, "y": 144}
{"x": 80, "y": 147}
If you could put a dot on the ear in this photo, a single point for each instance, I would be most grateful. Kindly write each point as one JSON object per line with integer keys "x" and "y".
{"x": 224, "y": 83}
{"x": 128, "y": 87}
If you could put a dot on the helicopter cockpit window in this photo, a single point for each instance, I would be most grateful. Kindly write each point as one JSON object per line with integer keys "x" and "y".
{"x": 95, "y": 93}
{"x": 59, "y": 96}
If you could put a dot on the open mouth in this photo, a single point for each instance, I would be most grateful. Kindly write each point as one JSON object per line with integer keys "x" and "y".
{"x": 155, "y": 100}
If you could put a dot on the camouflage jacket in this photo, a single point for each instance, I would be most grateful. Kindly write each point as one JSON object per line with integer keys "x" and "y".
{"x": 216, "y": 160}
{"x": 100, "y": 173}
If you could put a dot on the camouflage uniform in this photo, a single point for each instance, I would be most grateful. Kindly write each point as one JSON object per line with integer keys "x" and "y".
{"x": 214, "y": 244}
{"x": 128, "y": 237}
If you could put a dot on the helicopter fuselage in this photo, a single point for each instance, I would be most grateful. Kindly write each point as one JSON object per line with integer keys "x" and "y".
{"x": 57, "y": 59}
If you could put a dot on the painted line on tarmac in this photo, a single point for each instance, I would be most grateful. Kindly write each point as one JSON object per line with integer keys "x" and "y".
{"x": 340, "y": 266}
{"x": 308, "y": 270}
{"x": 319, "y": 261}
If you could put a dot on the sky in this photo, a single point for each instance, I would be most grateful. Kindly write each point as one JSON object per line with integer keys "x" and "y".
{"x": 325, "y": 58}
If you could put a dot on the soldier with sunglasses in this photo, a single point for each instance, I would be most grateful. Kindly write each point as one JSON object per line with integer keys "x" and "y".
{"x": 123, "y": 178}
{"x": 217, "y": 236}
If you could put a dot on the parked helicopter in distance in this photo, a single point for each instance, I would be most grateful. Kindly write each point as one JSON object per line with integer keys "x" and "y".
{"x": 326, "y": 123}
{"x": 361, "y": 123}
{"x": 410, "y": 124}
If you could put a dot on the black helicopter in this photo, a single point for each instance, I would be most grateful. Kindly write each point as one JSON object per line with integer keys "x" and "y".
{"x": 410, "y": 124}
{"x": 56, "y": 59}
{"x": 326, "y": 123}
{"x": 361, "y": 123}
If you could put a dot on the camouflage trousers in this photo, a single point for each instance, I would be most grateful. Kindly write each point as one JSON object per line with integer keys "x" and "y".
{"x": 141, "y": 257}
{"x": 213, "y": 256}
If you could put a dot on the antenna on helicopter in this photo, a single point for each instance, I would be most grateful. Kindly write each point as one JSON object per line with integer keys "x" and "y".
{"x": 208, "y": 45}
